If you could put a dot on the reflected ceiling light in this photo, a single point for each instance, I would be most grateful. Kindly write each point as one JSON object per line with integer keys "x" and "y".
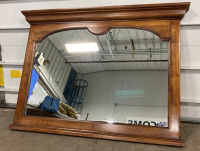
{"x": 82, "y": 47}
{"x": 110, "y": 122}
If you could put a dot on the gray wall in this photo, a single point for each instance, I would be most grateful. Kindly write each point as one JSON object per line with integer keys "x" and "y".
{"x": 137, "y": 94}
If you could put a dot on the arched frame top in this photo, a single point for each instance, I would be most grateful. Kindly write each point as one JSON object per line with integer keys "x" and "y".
{"x": 103, "y": 27}
{"x": 161, "y": 19}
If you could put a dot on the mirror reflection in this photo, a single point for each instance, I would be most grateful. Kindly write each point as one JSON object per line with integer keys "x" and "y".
{"x": 118, "y": 77}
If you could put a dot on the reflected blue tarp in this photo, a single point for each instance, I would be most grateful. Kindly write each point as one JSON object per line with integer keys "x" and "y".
{"x": 34, "y": 78}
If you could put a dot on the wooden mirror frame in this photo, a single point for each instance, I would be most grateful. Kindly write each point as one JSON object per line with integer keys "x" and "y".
{"x": 161, "y": 19}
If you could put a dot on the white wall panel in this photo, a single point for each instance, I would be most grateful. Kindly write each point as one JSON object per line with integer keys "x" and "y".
{"x": 58, "y": 79}
{"x": 190, "y": 47}
{"x": 46, "y": 53}
{"x": 190, "y": 111}
{"x": 13, "y": 47}
{"x": 190, "y": 56}
{"x": 52, "y": 62}
{"x": 58, "y": 68}
{"x": 190, "y": 86}
{"x": 13, "y": 53}
{"x": 64, "y": 72}
{"x": 50, "y": 56}
{"x": 64, "y": 81}
{"x": 14, "y": 37}
{"x": 190, "y": 35}
{"x": 43, "y": 45}
{"x": 11, "y": 83}
{"x": 55, "y": 65}
{"x": 190, "y": 76}
{"x": 8, "y": 81}
{"x": 11, "y": 97}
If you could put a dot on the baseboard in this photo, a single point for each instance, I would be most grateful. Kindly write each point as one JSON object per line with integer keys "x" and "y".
{"x": 8, "y": 105}
{"x": 190, "y": 120}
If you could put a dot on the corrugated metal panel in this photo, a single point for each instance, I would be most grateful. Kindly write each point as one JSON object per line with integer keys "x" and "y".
{"x": 54, "y": 66}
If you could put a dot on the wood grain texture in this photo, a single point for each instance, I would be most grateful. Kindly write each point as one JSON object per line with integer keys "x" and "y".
{"x": 72, "y": 132}
{"x": 159, "y": 27}
{"x": 174, "y": 80}
{"x": 129, "y": 12}
{"x": 161, "y": 19}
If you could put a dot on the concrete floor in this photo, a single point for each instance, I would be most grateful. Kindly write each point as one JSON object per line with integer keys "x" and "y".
{"x": 28, "y": 141}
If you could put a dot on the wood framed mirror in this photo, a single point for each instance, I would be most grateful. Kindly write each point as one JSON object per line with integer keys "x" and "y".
{"x": 121, "y": 82}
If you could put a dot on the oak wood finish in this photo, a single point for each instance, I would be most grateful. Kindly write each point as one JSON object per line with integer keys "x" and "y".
{"x": 161, "y": 19}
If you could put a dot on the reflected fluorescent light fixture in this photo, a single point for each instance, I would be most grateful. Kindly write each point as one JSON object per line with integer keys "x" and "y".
{"x": 110, "y": 121}
{"x": 82, "y": 47}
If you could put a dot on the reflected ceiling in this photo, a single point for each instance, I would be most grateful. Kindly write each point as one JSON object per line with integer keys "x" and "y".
{"x": 139, "y": 49}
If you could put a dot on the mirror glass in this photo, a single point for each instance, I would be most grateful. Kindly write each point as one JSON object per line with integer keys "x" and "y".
{"x": 117, "y": 77}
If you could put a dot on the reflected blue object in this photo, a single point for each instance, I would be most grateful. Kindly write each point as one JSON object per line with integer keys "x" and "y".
{"x": 34, "y": 79}
{"x": 50, "y": 104}
{"x": 129, "y": 93}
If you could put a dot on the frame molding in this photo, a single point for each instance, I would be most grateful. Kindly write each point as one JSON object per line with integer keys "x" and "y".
{"x": 161, "y": 19}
